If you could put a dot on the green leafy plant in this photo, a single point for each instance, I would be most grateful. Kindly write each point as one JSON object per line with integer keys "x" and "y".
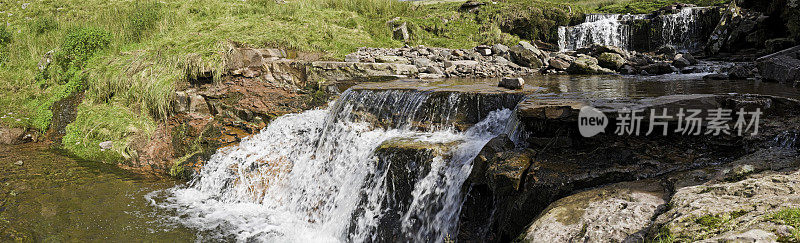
{"x": 5, "y": 36}
{"x": 43, "y": 25}
{"x": 79, "y": 45}
{"x": 142, "y": 18}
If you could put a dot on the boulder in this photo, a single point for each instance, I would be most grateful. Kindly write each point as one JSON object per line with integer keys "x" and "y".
{"x": 484, "y": 50}
{"x": 527, "y": 55}
{"x": 783, "y": 66}
{"x": 422, "y": 62}
{"x": 680, "y": 62}
{"x": 610, "y": 60}
{"x": 667, "y": 50}
{"x": 659, "y": 68}
{"x": 689, "y": 57}
{"x": 399, "y": 29}
{"x": 741, "y": 71}
{"x": 716, "y": 76}
{"x": 470, "y": 6}
{"x": 587, "y": 65}
{"x": 511, "y": 83}
{"x": 11, "y": 135}
{"x": 611, "y": 213}
{"x": 464, "y": 63}
{"x": 500, "y": 49}
{"x": 778, "y": 44}
{"x": 559, "y": 64}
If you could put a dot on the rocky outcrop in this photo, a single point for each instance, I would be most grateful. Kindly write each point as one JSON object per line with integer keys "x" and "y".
{"x": 738, "y": 202}
{"x": 783, "y": 66}
{"x": 433, "y": 63}
{"x": 620, "y": 212}
{"x": 339, "y": 72}
{"x": 552, "y": 160}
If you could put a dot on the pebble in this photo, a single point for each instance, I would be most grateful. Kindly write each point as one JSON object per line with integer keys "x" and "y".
{"x": 19, "y": 163}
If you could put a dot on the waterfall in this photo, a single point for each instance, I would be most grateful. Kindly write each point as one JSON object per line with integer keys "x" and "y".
{"x": 683, "y": 29}
{"x": 315, "y": 176}
{"x": 604, "y": 29}
{"x": 785, "y": 140}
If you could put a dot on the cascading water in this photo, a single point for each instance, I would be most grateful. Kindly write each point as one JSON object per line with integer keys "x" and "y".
{"x": 684, "y": 30}
{"x": 314, "y": 176}
{"x": 604, "y": 29}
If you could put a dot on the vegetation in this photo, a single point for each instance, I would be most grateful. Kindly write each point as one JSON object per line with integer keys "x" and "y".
{"x": 128, "y": 57}
{"x": 790, "y": 217}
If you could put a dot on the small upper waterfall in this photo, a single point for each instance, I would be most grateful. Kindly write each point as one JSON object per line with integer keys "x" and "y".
{"x": 684, "y": 29}
{"x": 316, "y": 176}
{"x": 604, "y": 29}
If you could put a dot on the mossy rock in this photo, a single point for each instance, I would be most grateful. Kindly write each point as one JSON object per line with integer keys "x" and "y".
{"x": 609, "y": 60}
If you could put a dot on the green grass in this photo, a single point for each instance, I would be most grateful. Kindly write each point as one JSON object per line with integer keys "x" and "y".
{"x": 790, "y": 217}
{"x": 146, "y": 49}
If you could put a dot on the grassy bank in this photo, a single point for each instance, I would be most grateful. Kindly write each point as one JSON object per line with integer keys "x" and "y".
{"x": 129, "y": 57}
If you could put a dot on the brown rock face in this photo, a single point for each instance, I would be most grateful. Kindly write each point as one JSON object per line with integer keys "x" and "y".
{"x": 11, "y": 135}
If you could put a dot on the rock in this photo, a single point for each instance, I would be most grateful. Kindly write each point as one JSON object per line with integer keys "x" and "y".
{"x": 44, "y": 63}
{"x": 659, "y": 68}
{"x": 610, "y": 60}
{"x": 351, "y": 58}
{"x": 511, "y": 83}
{"x": 197, "y": 104}
{"x": 470, "y": 6}
{"x": 335, "y": 72}
{"x": 723, "y": 29}
{"x": 689, "y": 57}
{"x": 559, "y": 64}
{"x": 434, "y": 70}
{"x": 467, "y": 63}
{"x": 422, "y": 62}
{"x": 587, "y": 65}
{"x": 611, "y": 213}
{"x": 19, "y": 163}
{"x": 392, "y": 59}
{"x": 106, "y": 145}
{"x": 484, "y": 50}
{"x": 500, "y": 49}
{"x": 399, "y": 29}
{"x": 627, "y": 69}
{"x": 716, "y": 76}
{"x": 667, "y": 50}
{"x": 680, "y": 62}
{"x": 778, "y": 44}
{"x": 11, "y": 135}
{"x": 526, "y": 55}
{"x": 785, "y": 231}
{"x": 741, "y": 71}
{"x": 782, "y": 66}
{"x": 431, "y": 76}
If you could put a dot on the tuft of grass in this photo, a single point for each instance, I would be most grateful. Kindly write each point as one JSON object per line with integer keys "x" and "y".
{"x": 5, "y": 36}
{"x": 142, "y": 18}
{"x": 790, "y": 217}
{"x": 43, "y": 25}
{"x": 97, "y": 123}
{"x": 647, "y": 6}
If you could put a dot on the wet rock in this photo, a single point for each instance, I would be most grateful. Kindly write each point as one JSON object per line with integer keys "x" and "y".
{"x": 627, "y": 69}
{"x": 198, "y": 104}
{"x": 783, "y": 66}
{"x": 667, "y": 50}
{"x": 680, "y": 62}
{"x": 610, "y": 60}
{"x": 527, "y": 55}
{"x": 585, "y": 64}
{"x": 689, "y": 57}
{"x": 511, "y": 83}
{"x": 741, "y": 71}
{"x": 611, "y": 213}
{"x": 659, "y": 68}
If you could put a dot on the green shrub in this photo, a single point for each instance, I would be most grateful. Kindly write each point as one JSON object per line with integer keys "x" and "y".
{"x": 142, "y": 18}
{"x": 81, "y": 44}
{"x": 43, "y": 25}
{"x": 75, "y": 82}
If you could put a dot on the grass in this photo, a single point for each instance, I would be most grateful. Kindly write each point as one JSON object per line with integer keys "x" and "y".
{"x": 147, "y": 49}
{"x": 790, "y": 217}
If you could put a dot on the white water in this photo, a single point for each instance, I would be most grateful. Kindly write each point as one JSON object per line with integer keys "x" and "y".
{"x": 313, "y": 177}
{"x": 604, "y": 29}
{"x": 680, "y": 30}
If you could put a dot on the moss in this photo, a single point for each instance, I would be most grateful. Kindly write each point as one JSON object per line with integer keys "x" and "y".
{"x": 664, "y": 236}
